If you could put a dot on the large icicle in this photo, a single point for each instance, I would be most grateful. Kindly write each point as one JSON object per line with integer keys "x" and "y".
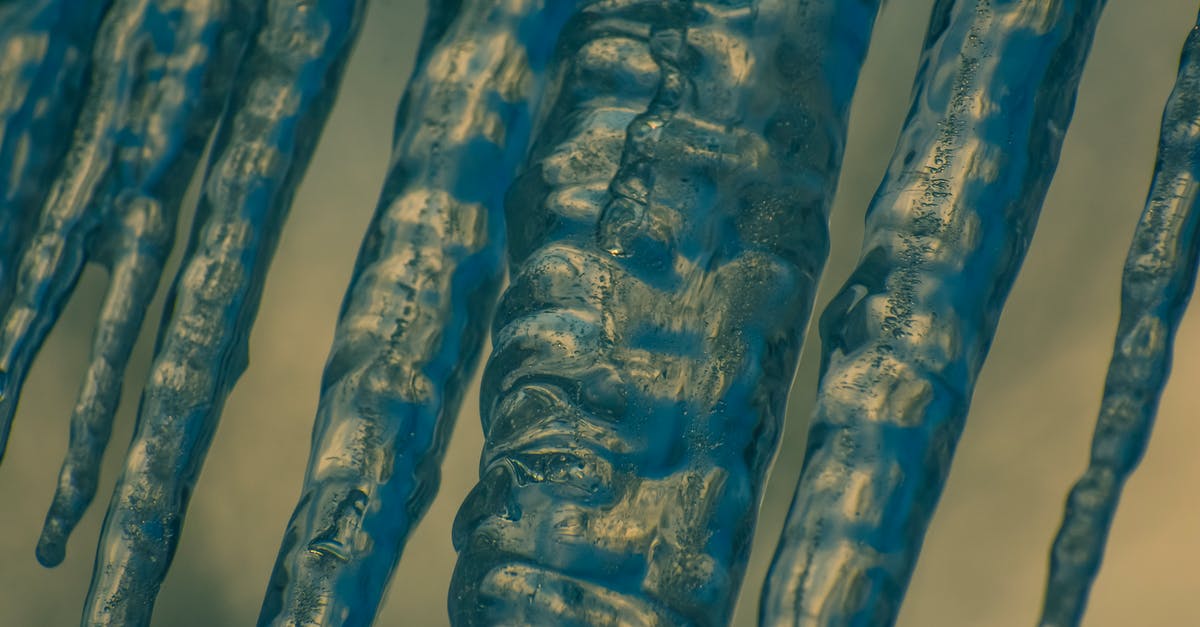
{"x": 281, "y": 95}
{"x": 667, "y": 235}
{"x": 1160, "y": 272}
{"x": 416, "y": 310}
{"x": 161, "y": 74}
{"x": 905, "y": 338}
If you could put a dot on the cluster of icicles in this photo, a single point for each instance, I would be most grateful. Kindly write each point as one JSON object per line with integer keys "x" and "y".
{"x": 656, "y": 174}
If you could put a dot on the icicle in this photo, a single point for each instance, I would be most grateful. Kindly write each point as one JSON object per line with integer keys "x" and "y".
{"x": 281, "y": 95}
{"x": 416, "y": 310}
{"x": 904, "y": 340}
{"x": 148, "y": 109}
{"x": 44, "y": 46}
{"x": 55, "y": 253}
{"x": 162, "y": 72}
{"x": 44, "y": 57}
{"x": 632, "y": 402}
{"x": 625, "y": 213}
{"x": 1160, "y": 272}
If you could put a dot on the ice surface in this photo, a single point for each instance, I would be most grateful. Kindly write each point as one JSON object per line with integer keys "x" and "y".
{"x": 417, "y": 310}
{"x": 666, "y": 236}
{"x": 904, "y": 340}
{"x": 1160, "y": 272}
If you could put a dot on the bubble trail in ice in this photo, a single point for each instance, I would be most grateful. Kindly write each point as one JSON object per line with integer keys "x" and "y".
{"x": 667, "y": 234}
{"x": 44, "y": 58}
{"x": 1160, "y": 272}
{"x": 416, "y": 311}
{"x": 162, "y": 69}
{"x": 281, "y": 95}
{"x": 904, "y": 340}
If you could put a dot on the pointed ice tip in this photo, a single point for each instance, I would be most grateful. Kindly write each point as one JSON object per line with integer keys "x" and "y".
{"x": 7, "y": 409}
{"x": 51, "y": 547}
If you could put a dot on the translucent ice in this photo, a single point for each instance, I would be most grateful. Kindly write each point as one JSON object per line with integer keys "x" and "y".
{"x": 417, "y": 309}
{"x": 667, "y": 234}
{"x": 106, "y": 108}
{"x": 46, "y": 56}
{"x": 279, "y": 101}
{"x": 1160, "y": 272}
{"x": 904, "y": 340}
{"x": 45, "y": 46}
{"x": 666, "y": 168}
{"x": 159, "y": 76}
{"x": 99, "y": 163}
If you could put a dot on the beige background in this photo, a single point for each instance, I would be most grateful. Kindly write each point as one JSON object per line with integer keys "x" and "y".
{"x": 1026, "y": 440}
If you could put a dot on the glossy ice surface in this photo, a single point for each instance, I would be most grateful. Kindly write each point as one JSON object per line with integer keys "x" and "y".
{"x": 108, "y": 154}
{"x": 161, "y": 71}
{"x": 666, "y": 237}
{"x": 417, "y": 309}
{"x": 146, "y": 118}
{"x": 667, "y": 233}
{"x": 284, "y": 88}
{"x": 905, "y": 338}
{"x": 1160, "y": 272}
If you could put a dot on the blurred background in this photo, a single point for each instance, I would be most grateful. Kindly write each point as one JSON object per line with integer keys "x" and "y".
{"x": 1027, "y": 438}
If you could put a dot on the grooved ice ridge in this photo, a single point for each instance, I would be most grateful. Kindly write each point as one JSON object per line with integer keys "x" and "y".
{"x": 666, "y": 236}
{"x": 658, "y": 176}
{"x": 417, "y": 309}
{"x": 905, "y": 338}
{"x": 106, "y": 108}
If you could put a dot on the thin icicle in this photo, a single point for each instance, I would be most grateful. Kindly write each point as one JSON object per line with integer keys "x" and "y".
{"x": 180, "y": 56}
{"x": 904, "y": 340}
{"x": 416, "y": 310}
{"x": 1160, "y": 272}
{"x": 44, "y": 57}
{"x": 136, "y": 135}
{"x": 281, "y": 96}
{"x": 667, "y": 234}
{"x": 55, "y": 253}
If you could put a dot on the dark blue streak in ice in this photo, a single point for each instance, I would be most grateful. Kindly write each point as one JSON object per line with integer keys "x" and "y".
{"x": 281, "y": 96}
{"x": 904, "y": 340}
{"x": 417, "y": 308}
{"x": 1160, "y": 272}
{"x": 667, "y": 235}
{"x": 44, "y": 57}
{"x": 175, "y": 59}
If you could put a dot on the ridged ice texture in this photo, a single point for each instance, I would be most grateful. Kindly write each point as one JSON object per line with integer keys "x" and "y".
{"x": 113, "y": 169}
{"x": 161, "y": 71}
{"x": 416, "y": 311}
{"x": 1160, "y": 272}
{"x": 904, "y": 339}
{"x": 667, "y": 234}
{"x": 281, "y": 95}
{"x": 44, "y": 58}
